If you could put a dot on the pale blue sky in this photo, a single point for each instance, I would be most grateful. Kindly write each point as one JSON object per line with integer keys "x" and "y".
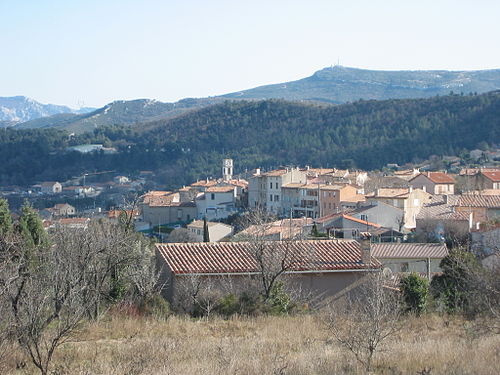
{"x": 92, "y": 52}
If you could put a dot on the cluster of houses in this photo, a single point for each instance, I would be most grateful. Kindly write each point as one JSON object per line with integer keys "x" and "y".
{"x": 335, "y": 213}
{"x": 405, "y": 217}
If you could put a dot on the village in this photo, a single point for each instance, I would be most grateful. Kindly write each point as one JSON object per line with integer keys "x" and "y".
{"x": 407, "y": 220}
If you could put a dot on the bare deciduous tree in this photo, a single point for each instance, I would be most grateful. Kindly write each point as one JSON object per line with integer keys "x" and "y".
{"x": 50, "y": 292}
{"x": 364, "y": 318}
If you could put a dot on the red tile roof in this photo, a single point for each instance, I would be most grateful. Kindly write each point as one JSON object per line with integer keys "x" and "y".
{"x": 352, "y": 218}
{"x": 492, "y": 175}
{"x": 409, "y": 250}
{"x": 236, "y": 257}
{"x": 439, "y": 177}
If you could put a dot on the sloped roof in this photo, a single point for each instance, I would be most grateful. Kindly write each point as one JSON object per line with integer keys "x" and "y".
{"x": 287, "y": 228}
{"x": 390, "y": 193}
{"x": 199, "y": 224}
{"x": 409, "y": 250}
{"x": 488, "y": 201}
{"x": 236, "y": 257}
{"x": 355, "y": 219}
{"x": 492, "y": 175}
{"x": 275, "y": 173}
{"x": 437, "y": 177}
{"x": 220, "y": 189}
{"x": 441, "y": 207}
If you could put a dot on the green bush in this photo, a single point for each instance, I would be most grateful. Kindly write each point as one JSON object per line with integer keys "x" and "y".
{"x": 155, "y": 306}
{"x": 228, "y": 305}
{"x": 415, "y": 290}
{"x": 279, "y": 301}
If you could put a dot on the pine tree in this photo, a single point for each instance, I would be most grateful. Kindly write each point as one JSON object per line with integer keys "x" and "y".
{"x": 206, "y": 234}
{"x": 5, "y": 218}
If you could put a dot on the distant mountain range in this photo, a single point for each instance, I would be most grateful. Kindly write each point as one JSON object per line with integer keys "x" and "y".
{"x": 338, "y": 84}
{"x": 15, "y": 109}
{"x": 333, "y": 85}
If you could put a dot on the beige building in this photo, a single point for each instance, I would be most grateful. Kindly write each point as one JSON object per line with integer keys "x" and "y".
{"x": 63, "y": 209}
{"x": 315, "y": 200}
{"x": 264, "y": 189}
{"x": 163, "y": 207}
{"x": 434, "y": 182}
{"x": 216, "y": 231}
{"x": 51, "y": 187}
{"x": 409, "y": 200}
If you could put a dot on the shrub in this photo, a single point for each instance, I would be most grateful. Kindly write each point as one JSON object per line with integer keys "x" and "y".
{"x": 228, "y": 305}
{"x": 155, "y": 306}
{"x": 415, "y": 291}
{"x": 280, "y": 302}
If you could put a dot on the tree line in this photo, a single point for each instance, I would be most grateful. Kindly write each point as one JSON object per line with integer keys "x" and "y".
{"x": 364, "y": 134}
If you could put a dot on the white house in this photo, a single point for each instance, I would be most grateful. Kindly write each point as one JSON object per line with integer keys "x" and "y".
{"x": 51, "y": 187}
{"x": 216, "y": 231}
{"x": 217, "y": 202}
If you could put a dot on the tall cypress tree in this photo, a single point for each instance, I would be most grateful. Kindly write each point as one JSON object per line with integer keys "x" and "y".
{"x": 5, "y": 218}
{"x": 31, "y": 228}
{"x": 206, "y": 234}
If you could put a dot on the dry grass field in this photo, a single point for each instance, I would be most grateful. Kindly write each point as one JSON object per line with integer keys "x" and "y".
{"x": 263, "y": 345}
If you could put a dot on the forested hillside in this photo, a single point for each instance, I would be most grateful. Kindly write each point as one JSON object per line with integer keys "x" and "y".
{"x": 364, "y": 134}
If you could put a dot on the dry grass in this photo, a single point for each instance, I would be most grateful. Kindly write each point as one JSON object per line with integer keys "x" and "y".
{"x": 264, "y": 345}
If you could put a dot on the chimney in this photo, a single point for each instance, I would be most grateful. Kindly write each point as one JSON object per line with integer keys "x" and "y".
{"x": 366, "y": 252}
{"x": 424, "y": 188}
{"x": 257, "y": 171}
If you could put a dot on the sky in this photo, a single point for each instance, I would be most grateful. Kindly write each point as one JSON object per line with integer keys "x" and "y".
{"x": 91, "y": 52}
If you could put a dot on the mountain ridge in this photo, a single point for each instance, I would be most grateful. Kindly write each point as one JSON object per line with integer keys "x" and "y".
{"x": 16, "y": 109}
{"x": 331, "y": 85}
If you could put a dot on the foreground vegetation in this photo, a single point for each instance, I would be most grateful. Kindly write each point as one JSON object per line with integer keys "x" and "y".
{"x": 76, "y": 301}
{"x": 125, "y": 344}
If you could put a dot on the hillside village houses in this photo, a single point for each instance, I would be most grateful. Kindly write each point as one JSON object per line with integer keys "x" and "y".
{"x": 216, "y": 231}
{"x": 50, "y": 187}
{"x": 434, "y": 182}
{"x": 408, "y": 199}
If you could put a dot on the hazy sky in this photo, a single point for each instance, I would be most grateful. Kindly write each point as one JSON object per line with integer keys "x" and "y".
{"x": 92, "y": 52}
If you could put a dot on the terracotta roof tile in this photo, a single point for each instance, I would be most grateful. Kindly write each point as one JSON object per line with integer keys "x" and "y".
{"x": 492, "y": 175}
{"x": 236, "y": 257}
{"x": 409, "y": 250}
{"x": 438, "y": 177}
{"x": 488, "y": 201}
{"x": 220, "y": 189}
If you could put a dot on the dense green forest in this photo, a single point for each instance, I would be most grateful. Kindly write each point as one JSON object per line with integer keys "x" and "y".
{"x": 364, "y": 134}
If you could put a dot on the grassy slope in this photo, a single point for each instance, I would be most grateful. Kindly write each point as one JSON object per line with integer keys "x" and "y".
{"x": 265, "y": 345}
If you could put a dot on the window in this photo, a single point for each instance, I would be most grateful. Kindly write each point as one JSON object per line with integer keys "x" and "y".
{"x": 276, "y": 198}
{"x": 364, "y": 217}
{"x": 404, "y": 267}
{"x": 212, "y": 196}
{"x": 271, "y": 197}
{"x": 270, "y": 185}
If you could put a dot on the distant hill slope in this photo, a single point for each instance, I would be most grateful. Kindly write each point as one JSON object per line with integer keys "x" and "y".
{"x": 330, "y": 85}
{"x": 20, "y": 109}
{"x": 363, "y": 134}
{"x": 340, "y": 84}
{"x": 120, "y": 112}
